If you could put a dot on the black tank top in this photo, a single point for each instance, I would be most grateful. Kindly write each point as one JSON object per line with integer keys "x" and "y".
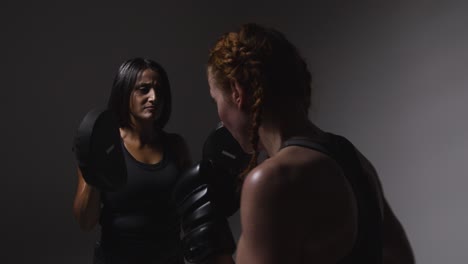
{"x": 141, "y": 219}
{"x": 368, "y": 245}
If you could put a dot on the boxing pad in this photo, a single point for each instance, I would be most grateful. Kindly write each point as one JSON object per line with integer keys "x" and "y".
{"x": 205, "y": 229}
{"x": 98, "y": 150}
{"x": 228, "y": 160}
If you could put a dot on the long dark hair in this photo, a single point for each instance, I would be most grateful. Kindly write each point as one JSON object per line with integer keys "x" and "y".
{"x": 125, "y": 81}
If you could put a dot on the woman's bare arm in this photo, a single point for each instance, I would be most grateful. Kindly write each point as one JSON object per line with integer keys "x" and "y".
{"x": 87, "y": 204}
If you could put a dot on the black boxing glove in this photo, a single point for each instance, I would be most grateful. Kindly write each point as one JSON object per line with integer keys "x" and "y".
{"x": 228, "y": 161}
{"x": 205, "y": 228}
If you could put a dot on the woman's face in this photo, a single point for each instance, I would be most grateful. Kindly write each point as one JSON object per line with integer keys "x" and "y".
{"x": 143, "y": 99}
{"x": 230, "y": 113}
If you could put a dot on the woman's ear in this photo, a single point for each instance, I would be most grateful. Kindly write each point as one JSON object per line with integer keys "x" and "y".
{"x": 238, "y": 94}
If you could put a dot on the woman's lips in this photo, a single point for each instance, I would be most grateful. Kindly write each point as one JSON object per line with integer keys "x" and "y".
{"x": 150, "y": 108}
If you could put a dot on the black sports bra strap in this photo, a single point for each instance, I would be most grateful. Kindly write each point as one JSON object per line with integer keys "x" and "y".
{"x": 307, "y": 143}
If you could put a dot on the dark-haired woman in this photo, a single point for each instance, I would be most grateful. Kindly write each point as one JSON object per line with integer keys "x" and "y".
{"x": 138, "y": 223}
{"x": 316, "y": 199}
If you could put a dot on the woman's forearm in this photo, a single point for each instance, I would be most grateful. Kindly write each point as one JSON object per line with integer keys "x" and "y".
{"x": 87, "y": 204}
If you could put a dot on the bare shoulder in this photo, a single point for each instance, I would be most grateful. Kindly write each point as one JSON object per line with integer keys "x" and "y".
{"x": 265, "y": 178}
{"x": 291, "y": 169}
{"x": 293, "y": 180}
{"x": 292, "y": 204}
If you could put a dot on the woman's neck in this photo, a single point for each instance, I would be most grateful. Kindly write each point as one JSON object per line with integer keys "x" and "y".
{"x": 272, "y": 135}
{"x": 143, "y": 134}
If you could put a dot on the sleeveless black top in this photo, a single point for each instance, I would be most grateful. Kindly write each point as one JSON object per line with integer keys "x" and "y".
{"x": 139, "y": 222}
{"x": 368, "y": 245}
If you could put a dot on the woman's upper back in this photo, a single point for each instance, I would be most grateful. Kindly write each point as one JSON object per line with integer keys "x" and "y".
{"x": 301, "y": 204}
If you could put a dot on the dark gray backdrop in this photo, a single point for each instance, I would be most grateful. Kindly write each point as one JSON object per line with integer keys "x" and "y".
{"x": 390, "y": 75}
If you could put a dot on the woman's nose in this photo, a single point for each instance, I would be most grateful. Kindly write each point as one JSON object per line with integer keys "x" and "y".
{"x": 152, "y": 95}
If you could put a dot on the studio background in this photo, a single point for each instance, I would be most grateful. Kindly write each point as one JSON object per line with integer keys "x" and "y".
{"x": 391, "y": 76}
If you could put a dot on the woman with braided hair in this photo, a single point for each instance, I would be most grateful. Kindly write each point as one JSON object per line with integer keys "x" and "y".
{"x": 316, "y": 199}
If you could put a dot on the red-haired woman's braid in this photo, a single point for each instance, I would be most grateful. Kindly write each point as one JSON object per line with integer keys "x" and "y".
{"x": 270, "y": 69}
{"x": 256, "y": 117}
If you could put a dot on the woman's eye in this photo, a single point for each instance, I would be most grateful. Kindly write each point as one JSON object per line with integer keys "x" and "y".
{"x": 144, "y": 89}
